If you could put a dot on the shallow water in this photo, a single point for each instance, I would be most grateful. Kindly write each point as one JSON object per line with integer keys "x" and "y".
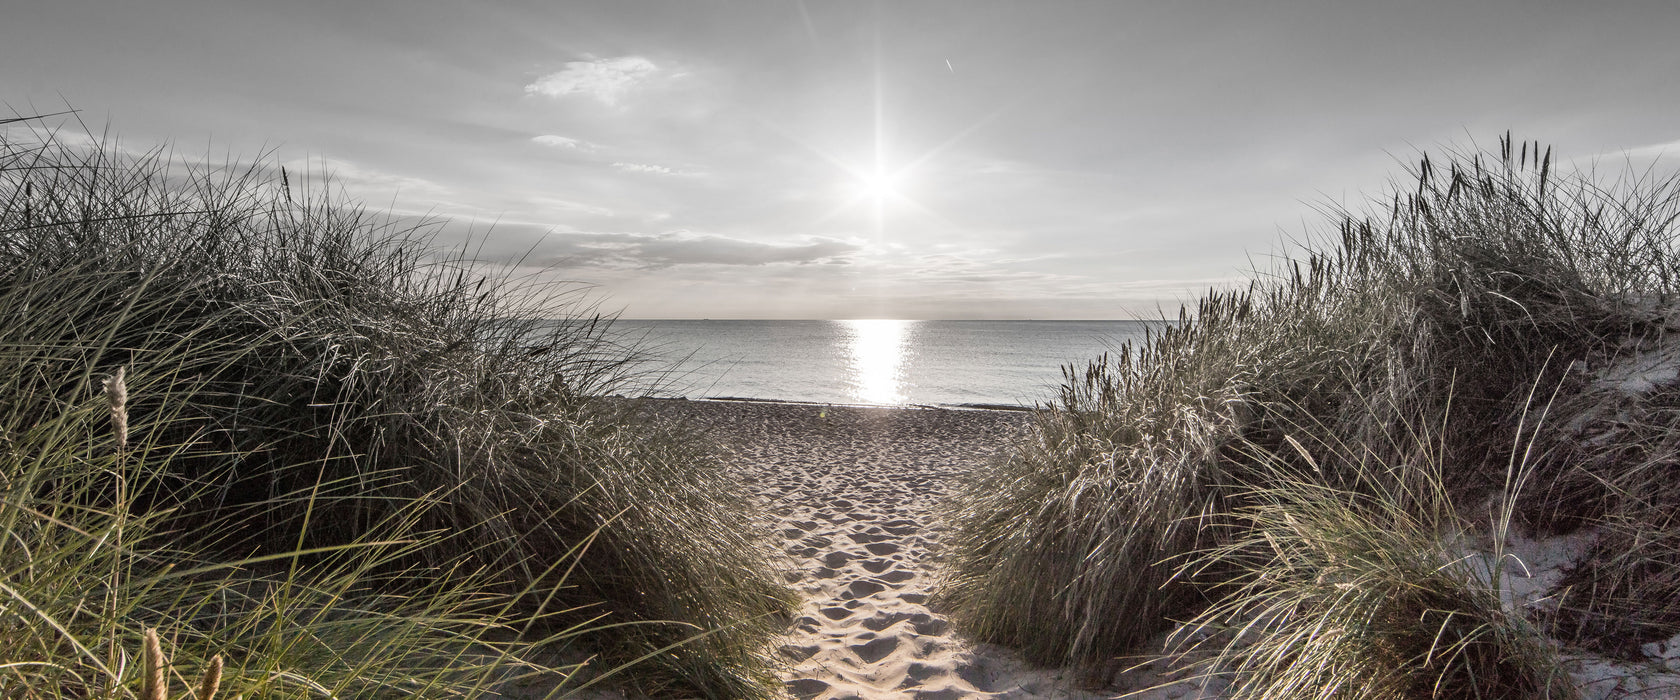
{"x": 888, "y": 362}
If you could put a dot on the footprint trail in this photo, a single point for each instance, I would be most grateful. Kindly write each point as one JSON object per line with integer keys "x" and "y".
{"x": 852, "y": 493}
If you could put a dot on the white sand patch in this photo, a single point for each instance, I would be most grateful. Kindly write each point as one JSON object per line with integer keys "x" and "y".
{"x": 1533, "y": 566}
{"x": 1639, "y": 372}
{"x": 1604, "y": 679}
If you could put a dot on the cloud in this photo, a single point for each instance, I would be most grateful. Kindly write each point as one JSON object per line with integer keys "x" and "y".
{"x": 661, "y": 250}
{"x": 1656, "y": 151}
{"x": 548, "y": 205}
{"x": 563, "y": 142}
{"x": 368, "y": 183}
{"x": 644, "y": 168}
{"x": 605, "y": 79}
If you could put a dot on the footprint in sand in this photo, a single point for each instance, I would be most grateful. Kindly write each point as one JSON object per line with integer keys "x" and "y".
{"x": 875, "y": 650}
{"x": 897, "y": 576}
{"x": 864, "y": 589}
{"x": 876, "y": 566}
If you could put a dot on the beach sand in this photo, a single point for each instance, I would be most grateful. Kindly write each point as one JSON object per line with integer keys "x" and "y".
{"x": 851, "y": 494}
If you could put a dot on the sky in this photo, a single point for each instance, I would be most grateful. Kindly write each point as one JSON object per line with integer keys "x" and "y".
{"x": 857, "y": 159}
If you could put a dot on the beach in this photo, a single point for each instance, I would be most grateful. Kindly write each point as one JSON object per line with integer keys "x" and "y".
{"x": 851, "y": 495}
{"x": 858, "y": 397}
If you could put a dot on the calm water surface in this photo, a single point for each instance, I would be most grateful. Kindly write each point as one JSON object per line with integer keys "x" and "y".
{"x": 878, "y": 361}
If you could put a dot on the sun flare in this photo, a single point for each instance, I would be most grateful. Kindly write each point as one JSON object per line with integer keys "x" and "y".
{"x": 877, "y": 186}
{"x": 880, "y": 185}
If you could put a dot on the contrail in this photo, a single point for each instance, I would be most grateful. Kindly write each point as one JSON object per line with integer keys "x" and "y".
{"x": 948, "y": 65}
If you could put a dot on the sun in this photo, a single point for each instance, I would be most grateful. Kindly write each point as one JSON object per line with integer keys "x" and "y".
{"x": 876, "y": 192}
{"x": 878, "y": 186}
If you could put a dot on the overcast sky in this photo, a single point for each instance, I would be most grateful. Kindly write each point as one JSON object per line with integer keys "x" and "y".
{"x": 786, "y": 159}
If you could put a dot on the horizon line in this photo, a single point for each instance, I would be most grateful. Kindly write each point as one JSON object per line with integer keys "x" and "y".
{"x": 743, "y": 318}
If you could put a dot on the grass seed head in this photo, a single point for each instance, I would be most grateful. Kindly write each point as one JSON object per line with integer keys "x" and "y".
{"x": 116, "y": 394}
{"x": 153, "y": 686}
{"x": 212, "y": 679}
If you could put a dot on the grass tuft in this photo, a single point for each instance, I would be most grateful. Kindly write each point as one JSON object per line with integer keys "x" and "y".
{"x": 1490, "y": 288}
{"x": 337, "y": 457}
{"x": 1353, "y": 592}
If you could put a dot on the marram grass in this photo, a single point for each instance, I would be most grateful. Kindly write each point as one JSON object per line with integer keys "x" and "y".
{"x": 156, "y": 673}
{"x": 283, "y": 431}
{"x": 1487, "y": 280}
{"x": 1349, "y": 592}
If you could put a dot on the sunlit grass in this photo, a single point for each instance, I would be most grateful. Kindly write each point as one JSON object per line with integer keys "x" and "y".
{"x": 278, "y": 429}
{"x": 1363, "y": 588}
{"x": 1475, "y": 297}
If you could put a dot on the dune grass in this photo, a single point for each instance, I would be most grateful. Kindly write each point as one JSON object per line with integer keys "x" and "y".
{"x": 1465, "y": 303}
{"x": 1366, "y": 588}
{"x": 349, "y": 463}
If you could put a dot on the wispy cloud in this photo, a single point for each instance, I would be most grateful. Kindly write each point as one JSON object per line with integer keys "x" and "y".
{"x": 605, "y": 79}
{"x": 552, "y": 205}
{"x": 660, "y": 250}
{"x": 563, "y": 142}
{"x": 645, "y": 168}
{"x": 1656, "y": 151}
{"x": 368, "y": 182}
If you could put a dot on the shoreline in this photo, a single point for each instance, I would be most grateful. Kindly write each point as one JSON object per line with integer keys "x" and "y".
{"x": 1013, "y": 408}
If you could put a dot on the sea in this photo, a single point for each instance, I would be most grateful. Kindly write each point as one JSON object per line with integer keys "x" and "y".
{"x": 874, "y": 361}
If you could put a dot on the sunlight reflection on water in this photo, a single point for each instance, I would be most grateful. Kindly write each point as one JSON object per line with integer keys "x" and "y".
{"x": 876, "y": 359}
{"x": 920, "y": 362}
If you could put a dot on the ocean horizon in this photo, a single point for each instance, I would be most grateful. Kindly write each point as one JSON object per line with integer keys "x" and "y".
{"x": 886, "y": 362}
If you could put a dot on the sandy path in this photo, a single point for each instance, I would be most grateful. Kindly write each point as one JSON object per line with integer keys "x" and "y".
{"x": 851, "y": 492}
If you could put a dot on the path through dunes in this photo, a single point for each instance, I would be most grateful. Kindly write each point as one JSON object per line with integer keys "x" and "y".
{"x": 851, "y": 494}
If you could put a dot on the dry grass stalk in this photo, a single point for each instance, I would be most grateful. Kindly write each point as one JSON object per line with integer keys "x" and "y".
{"x": 116, "y": 394}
